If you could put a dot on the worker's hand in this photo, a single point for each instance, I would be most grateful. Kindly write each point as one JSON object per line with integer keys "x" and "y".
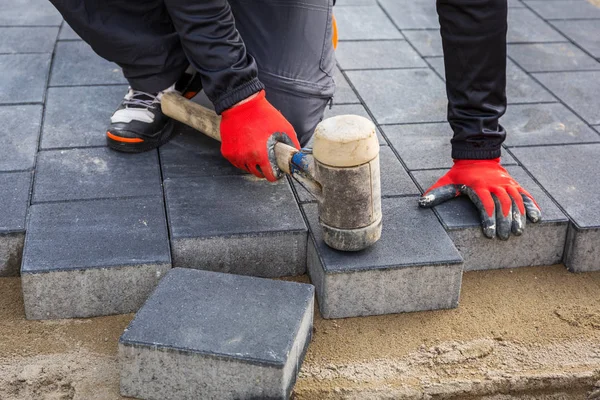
{"x": 501, "y": 201}
{"x": 249, "y": 132}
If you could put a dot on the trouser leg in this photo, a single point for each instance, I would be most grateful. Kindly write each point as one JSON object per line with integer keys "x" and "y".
{"x": 137, "y": 35}
{"x": 474, "y": 41}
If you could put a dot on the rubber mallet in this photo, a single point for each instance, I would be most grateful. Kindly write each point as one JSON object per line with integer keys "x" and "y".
{"x": 342, "y": 172}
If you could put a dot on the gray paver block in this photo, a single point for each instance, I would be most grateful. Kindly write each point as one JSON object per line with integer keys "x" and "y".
{"x": 564, "y": 9}
{"x": 217, "y": 336}
{"x": 364, "y": 22}
{"x": 29, "y": 12}
{"x": 427, "y": 42}
{"x": 540, "y": 124}
{"x": 377, "y": 54}
{"x": 67, "y": 33}
{"x": 568, "y": 173}
{"x": 551, "y": 57}
{"x": 579, "y": 90}
{"x": 402, "y": 96}
{"x": 412, "y": 14}
{"x": 426, "y": 146}
{"x": 236, "y": 224}
{"x": 23, "y": 77}
{"x": 413, "y": 267}
{"x": 585, "y": 33}
{"x": 27, "y": 40}
{"x": 93, "y": 173}
{"x": 524, "y": 26}
{"x": 90, "y": 258}
{"x": 343, "y": 92}
{"x": 346, "y": 3}
{"x": 14, "y": 200}
{"x": 22, "y": 127}
{"x": 541, "y": 244}
{"x": 75, "y": 119}
{"x": 75, "y": 63}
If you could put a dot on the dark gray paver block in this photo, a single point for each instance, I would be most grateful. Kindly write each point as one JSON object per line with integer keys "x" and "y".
{"x": 568, "y": 173}
{"x": 541, "y": 244}
{"x": 67, "y": 33}
{"x": 412, "y": 14}
{"x": 540, "y": 124}
{"x": 427, "y": 42}
{"x": 93, "y": 173}
{"x": 75, "y": 63}
{"x": 564, "y": 9}
{"x": 236, "y": 224}
{"x": 14, "y": 199}
{"x": 21, "y": 125}
{"x": 364, "y": 22}
{"x": 343, "y": 92}
{"x": 585, "y": 33}
{"x": 23, "y": 77}
{"x": 75, "y": 119}
{"x": 377, "y": 54}
{"x": 426, "y": 146}
{"x": 579, "y": 90}
{"x": 400, "y": 96}
{"x": 413, "y": 267}
{"x": 551, "y": 57}
{"x": 217, "y": 336}
{"x": 27, "y": 40}
{"x": 90, "y": 258}
{"x": 524, "y": 26}
{"x": 28, "y": 12}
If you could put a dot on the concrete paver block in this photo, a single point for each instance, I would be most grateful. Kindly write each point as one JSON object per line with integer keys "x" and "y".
{"x": 427, "y": 42}
{"x": 413, "y": 267}
{"x": 75, "y": 63}
{"x": 541, "y": 244}
{"x": 67, "y": 33}
{"x": 524, "y": 26}
{"x": 71, "y": 120}
{"x": 564, "y": 9}
{"x": 568, "y": 173}
{"x": 27, "y": 40}
{"x": 29, "y": 13}
{"x": 364, "y": 22}
{"x": 90, "y": 258}
{"x": 23, "y": 77}
{"x": 343, "y": 92}
{"x": 21, "y": 125}
{"x": 537, "y": 57}
{"x": 412, "y": 14}
{"x": 217, "y": 336}
{"x": 585, "y": 33}
{"x": 93, "y": 173}
{"x": 377, "y": 54}
{"x": 236, "y": 224}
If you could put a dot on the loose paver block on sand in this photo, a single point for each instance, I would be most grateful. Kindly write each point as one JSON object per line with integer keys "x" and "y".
{"x": 236, "y": 224}
{"x": 207, "y": 335}
{"x": 413, "y": 267}
{"x": 90, "y": 258}
{"x": 541, "y": 244}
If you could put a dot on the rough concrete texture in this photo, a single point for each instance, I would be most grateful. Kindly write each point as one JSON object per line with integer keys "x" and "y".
{"x": 413, "y": 267}
{"x": 236, "y": 224}
{"x": 217, "y": 336}
{"x": 11, "y": 250}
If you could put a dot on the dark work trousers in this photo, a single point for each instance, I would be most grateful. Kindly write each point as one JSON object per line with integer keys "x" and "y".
{"x": 474, "y": 40}
{"x": 238, "y": 47}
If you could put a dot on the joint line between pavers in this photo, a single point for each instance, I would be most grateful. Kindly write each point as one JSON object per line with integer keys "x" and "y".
{"x": 566, "y": 70}
{"x": 383, "y": 69}
{"x": 25, "y": 52}
{"x": 92, "y": 146}
{"x": 371, "y": 40}
{"x": 94, "y": 199}
{"x": 251, "y": 234}
{"x": 550, "y": 144}
{"x": 86, "y": 85}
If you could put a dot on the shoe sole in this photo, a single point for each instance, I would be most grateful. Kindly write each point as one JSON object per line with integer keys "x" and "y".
{"x": 138, "y": 145}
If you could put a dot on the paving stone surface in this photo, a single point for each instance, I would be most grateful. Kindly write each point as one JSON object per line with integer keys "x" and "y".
{"x": 209, "y": 335}
{"x": 540, "y": 244}
{"x": 427, "y": 42}
{"x": 551, "y": 57}
{"x": 413, "y": 267}
{"x": 343, "y": 92}
{"x": 524, "y": 26}
{"x": 564, "y": 9}
{"x": 28, "y": 12}
{"x": 93, "y": 173}
{"x": 236, "y": 224}
{"x": 378, "y": 54}
{"x": 585, "y": 33}
{"x": 67, "y": 33}
{"x": 74, "y": 119}
{"x": 364, "y": 22}
{"x": 17, "y": 151}
{"x": 23, "y": 77}
{"x": 75, "y": 63}
{"x": 27, "y": 40}
{"x": 412, "y": 14}
{"x": 579, "y": 90}
{"x": 567, "y": 173}
{"x": 90, "y": 258}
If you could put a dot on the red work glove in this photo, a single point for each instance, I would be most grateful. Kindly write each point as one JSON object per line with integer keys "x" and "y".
{"x": 501, "y": 201}
{"x": 249, "y": 132}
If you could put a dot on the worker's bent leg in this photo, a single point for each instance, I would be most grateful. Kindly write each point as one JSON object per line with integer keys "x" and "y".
{"x": 292, "y": 44}
{"x": 138, "y": 36}
{"x": 474, "y": 41}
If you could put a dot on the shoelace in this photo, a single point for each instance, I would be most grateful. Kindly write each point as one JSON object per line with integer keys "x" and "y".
{"x": 135, "y": 100}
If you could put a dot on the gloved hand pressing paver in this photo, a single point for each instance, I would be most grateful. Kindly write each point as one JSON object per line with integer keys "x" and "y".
{"x": 249, "y": 132}
{"x": 500, "y": 200}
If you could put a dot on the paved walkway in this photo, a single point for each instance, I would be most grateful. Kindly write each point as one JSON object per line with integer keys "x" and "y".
{"x": 89, "y": 207}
